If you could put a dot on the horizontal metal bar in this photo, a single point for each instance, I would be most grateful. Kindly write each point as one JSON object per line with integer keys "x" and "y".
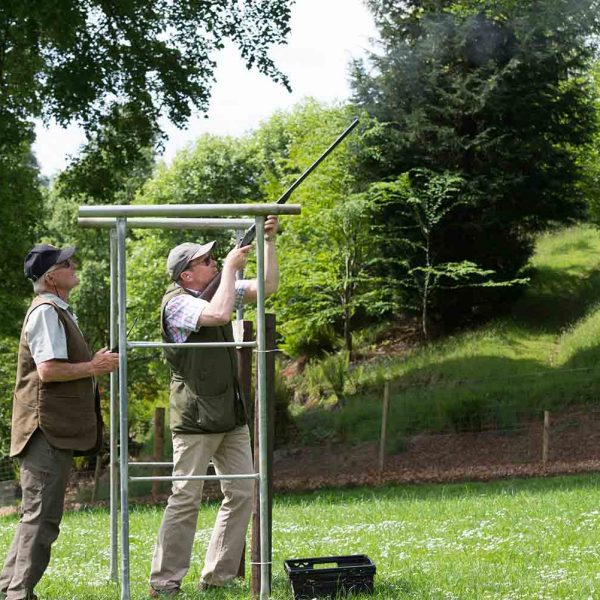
{"x": 187, "y": 210}
{"x": 165, "y": 223}
{"x": 196, "y": 477}
{"x": 140, "y": 463}
{"x": 191, "y": 344}
{"x": 150, "y": 464}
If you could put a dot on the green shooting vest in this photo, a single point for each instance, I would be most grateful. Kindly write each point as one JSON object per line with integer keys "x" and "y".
{"x": 205, "y": 395}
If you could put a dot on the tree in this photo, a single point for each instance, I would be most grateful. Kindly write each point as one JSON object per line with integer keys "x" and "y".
{"x": 74, "y": 59}
{"x": 497, "y": 93}
{"x": 322, "y": 254}
{"x": 113, "y": 67}
{"x": 589, "y": 161}
{"x": 21, "y": 205}
{"x": 349, "y": 229}
{"x": 422, "y": 203}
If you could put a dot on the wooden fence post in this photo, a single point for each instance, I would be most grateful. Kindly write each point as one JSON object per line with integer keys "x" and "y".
{"x": 245, "y": 379}
{"x": 546, "y": 437}
{"x": 97, "y": 471}
{"x": 255, "y": 544}
{"x": 384, "y": 418}
{"x": 159, "y": 446}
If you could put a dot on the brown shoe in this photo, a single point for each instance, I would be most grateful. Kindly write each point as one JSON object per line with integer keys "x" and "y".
{"x": 30, "y": 596}
{"x": 203, "y": 586}
{"x": 161, "y": 593}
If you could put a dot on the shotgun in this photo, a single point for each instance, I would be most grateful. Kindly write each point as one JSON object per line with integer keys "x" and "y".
{"x": 250, "y": 233}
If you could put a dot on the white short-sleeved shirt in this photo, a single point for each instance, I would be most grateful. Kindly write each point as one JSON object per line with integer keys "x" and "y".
{"x": 45, "y": 333}
{"x": 183, "y": 311}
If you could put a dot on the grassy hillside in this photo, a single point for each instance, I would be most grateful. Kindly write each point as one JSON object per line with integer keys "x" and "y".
{"x": 543, "y": 355}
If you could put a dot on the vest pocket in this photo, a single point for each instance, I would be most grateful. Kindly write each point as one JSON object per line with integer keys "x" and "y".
{"x": 66, "y": 416}
{"x": 203, "y": 413}
{"x": 215, "y": 413}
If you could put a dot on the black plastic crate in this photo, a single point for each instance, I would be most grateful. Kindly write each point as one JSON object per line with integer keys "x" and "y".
{"x": 330, "y": 576}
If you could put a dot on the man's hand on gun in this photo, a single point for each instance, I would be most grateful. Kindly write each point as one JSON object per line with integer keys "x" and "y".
{"x": 271, "y": 227}
{"x": 237, "y": 258}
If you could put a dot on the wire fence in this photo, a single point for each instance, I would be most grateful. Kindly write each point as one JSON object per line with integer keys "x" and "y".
{"x": 438, "y": 428}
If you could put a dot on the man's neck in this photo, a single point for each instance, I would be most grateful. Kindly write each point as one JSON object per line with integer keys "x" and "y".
{"x": 192, "y": 288}
{"x": 62, "y": 294}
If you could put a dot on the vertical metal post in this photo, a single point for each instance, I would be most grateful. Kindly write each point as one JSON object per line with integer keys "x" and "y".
{"x": 114, "y": 415}
{"x": 255, "y": 549}
{"x": 261, "y": 377}
{"x": 123, "y": 408}
{"x": 239, "y": 312}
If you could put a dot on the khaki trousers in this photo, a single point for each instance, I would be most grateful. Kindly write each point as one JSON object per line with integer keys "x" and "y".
{"x": 191, "y": 454}
{"x": 44, "y": 476}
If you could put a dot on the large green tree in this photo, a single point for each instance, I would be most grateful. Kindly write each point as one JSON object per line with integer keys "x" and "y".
{"x": 73, "y": 59}
{"x": 497, "y": 93}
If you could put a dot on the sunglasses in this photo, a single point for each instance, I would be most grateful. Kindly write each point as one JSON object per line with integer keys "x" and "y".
{"x": 64, "y": 264}
{"x": 200, "y": 261}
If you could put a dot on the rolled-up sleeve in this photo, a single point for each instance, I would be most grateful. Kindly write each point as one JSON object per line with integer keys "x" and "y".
{"x": 181, "y": 316}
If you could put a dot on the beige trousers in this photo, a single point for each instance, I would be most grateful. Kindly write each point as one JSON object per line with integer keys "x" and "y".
{"x": 44, "y": 476}
{"x": 191, "y": 454}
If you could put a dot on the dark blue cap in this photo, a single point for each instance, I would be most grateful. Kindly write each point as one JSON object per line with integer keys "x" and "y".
{"x": 43, "y": 256}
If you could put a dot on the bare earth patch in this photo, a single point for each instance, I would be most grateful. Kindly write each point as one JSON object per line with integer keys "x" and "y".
{"x": 431, "y": 458}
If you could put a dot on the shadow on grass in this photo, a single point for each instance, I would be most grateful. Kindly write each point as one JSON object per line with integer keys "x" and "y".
{"x": 557, "y": 298}
{"x": 586, "y": 358}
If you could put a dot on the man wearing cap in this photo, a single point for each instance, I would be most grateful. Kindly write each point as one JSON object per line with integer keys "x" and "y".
{"x": 56, "y": 413}
{"x": 207, "y": 412}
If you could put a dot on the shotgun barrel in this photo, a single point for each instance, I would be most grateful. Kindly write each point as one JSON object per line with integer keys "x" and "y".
{"x": 250, "y": 233}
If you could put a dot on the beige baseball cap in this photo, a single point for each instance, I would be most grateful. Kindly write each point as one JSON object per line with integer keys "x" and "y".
{"x": 181, "y": 256}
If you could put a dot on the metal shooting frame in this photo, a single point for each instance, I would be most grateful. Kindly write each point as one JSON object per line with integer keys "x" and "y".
{"x": 175, "y": 216}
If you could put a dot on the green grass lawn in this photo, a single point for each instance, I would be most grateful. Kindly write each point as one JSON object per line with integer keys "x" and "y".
{"x": 543, "y": 353}
{"x": 510, "y": 539}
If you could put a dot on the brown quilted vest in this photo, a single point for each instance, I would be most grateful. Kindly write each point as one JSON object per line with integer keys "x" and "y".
{"x": 67, "y": 412}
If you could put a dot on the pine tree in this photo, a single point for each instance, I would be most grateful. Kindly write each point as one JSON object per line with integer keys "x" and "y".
{"x": 497, "y": 93}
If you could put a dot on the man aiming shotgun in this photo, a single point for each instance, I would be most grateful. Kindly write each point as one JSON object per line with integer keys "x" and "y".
{"x": 208, "y": 415}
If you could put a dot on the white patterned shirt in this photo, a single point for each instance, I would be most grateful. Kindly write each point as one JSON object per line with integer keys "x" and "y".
{"x": 183, "y": 311}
